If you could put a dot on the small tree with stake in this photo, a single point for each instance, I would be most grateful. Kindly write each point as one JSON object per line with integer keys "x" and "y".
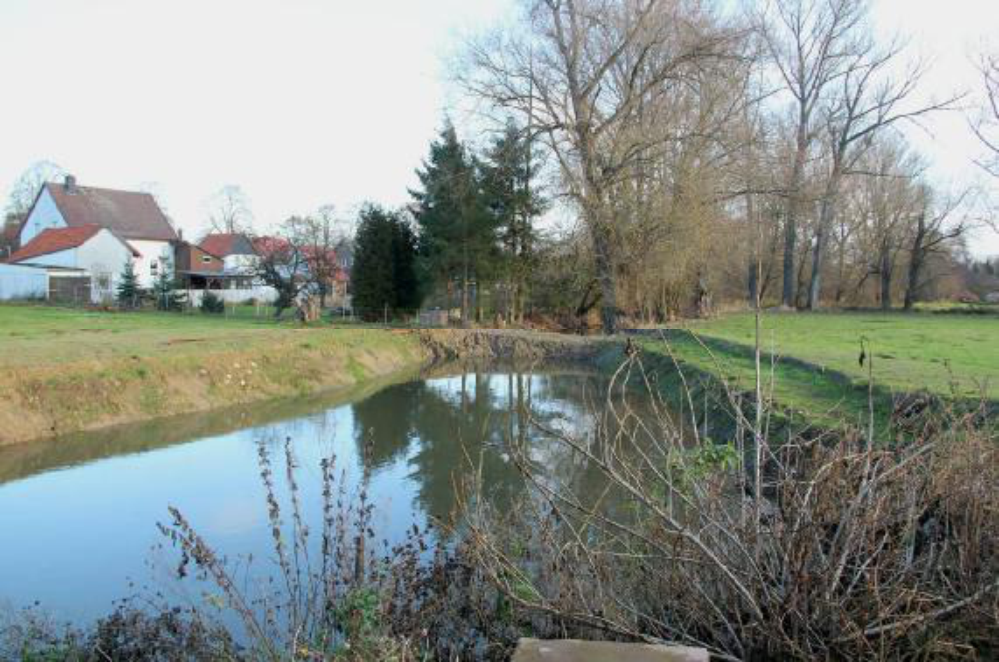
{"x": 128, "y": 291}
{"x": 168, "y": 297}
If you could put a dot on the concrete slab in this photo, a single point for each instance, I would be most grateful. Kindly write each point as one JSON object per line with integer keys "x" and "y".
{"x": 572, "y": 650}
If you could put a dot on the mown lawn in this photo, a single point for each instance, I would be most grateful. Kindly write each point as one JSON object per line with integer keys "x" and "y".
{"x": 33, "y": 335}
{"x": 818, "y": 368}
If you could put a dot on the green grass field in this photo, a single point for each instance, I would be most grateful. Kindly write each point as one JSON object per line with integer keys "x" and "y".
{"x": 818, "y": 367}
{"x": 42, "y": 335}
{"x": 33, "y": 335}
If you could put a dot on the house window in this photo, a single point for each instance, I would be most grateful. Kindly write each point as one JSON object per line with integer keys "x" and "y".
{"x": 153, "y": 266}
{"x": 206, "y": 259}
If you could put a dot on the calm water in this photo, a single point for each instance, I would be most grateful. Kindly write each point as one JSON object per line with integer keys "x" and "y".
{"x": 78, "y": 516}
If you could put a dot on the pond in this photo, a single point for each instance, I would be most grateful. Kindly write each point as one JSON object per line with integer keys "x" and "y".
{"x": 79, "y": 515}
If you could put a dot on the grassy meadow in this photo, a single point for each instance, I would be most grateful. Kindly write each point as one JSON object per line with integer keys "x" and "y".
{"x": 63, "y": 370}
{"x": 816, "y": 369}
{"x": 817, "y": 356}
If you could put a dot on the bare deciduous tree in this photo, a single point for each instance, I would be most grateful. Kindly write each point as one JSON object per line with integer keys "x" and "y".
{"x": 282, "y": 266}
{"x": 987, "y": 125}
{"x": 869, "y": 101}
{"x": 931, "y": 233}
{"x": 808, "y": 42}
{"x": 586, "y": 76}
{"x": 25, "y": 189}
{"x": 316, "y": 238}
{"x": 229, "y": 211}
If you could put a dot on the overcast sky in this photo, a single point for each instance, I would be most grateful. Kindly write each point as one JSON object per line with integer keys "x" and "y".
{"x": 305, "y": 102}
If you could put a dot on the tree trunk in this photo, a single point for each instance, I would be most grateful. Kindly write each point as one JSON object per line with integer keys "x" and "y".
{"x": 753, "y": 282}
{"x": 826, "y": 215}
{"x": 801, "y": 291}
{"x": 886, "y": 269}
{"x": 840, "y": 272}
{"x": 605, "y": 277}
{"x": 915, "y": 266}
{"x": 790, "y": 234}
{"x": 793, "y": 210}
{"x": 815, "y": 284}
{"x": 753, "y": 273}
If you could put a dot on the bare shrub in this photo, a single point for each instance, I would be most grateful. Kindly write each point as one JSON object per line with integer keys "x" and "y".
{"x": 851, "y": 549}
{"x": 339, "y": 594}
{"x": 128, "y": 634}
{"x": 330, "y": 593}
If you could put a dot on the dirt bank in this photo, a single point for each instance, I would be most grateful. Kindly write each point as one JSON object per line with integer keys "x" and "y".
{"x": 528, "y": 346}
{"x": 44, "y": 401}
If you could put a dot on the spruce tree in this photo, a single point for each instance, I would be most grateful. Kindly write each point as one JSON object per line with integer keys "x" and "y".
{"x": 168, "y": 297}
{"x": 128, "y": 291}
{"x": 508, "y": 173}
{"x": 457, "y": 235}
{"x": 384, "y": 278}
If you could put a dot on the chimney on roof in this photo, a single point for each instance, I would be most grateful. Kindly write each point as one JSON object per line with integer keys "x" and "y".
{"x": 69, "y": 183}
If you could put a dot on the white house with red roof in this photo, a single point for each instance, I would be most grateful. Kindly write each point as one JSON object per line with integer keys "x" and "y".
{"x": 88, "y": 247}
{"x": 236, "y": 250}
{"x": 94, "y": 228}
{"x": 89, "y": 251}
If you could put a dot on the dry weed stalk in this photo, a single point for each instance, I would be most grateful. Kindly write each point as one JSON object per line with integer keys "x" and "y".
{"x": 852, "y": 547}
{"x": 335, "y": 597}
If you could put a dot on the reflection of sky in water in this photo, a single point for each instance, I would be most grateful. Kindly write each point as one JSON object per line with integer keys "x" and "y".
{"x": 73, "y": 537}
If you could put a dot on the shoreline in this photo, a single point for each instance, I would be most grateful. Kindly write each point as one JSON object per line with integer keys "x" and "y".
{"x": 49, "y": 402}
{"x": 52, "y": 401}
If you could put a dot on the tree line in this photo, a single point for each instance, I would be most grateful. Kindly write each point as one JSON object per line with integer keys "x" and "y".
{"x": 761, "y": 154}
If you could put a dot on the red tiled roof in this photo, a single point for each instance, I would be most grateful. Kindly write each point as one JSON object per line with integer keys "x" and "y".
{"x": 129, "y": 214}
{"x": 54, "y": 240}
{"x": 223, "y": 245}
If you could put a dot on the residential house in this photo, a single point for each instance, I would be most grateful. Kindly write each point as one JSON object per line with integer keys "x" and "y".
{"x": 85, "y": 259}
{"x": 236, "y": 250}
{"x": 232, "y": 269}
{"x": 196, "y": 268}
{"x": 130, "y": 216}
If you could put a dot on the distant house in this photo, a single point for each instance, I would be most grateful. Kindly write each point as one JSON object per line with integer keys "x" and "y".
{"x": 223, "y": 262}
{"x": 93, "y": 252}
{"x": 196, "y": 268}
{"x": 236, "y": 250}
{"x": 129, "y": 216}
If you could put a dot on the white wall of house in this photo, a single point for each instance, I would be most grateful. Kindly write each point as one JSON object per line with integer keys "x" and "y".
{"x": 240, "y": 263}
{"x": 66, "y": 258}
{"x": 101, "y": 253}
{"x": 18, "y": 282}
{"x": 261, "y": 294}
{"x": 153, "y": 252}
{"x": 44, "y": 215}
{"x": 104, "y": 257}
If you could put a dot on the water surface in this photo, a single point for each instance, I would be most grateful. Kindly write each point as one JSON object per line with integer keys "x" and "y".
{"x": 78, "y": 516}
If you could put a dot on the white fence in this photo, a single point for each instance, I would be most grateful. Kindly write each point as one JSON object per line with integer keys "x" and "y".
{"x": 18, "y": 282}
{"x": 260, "y": 294}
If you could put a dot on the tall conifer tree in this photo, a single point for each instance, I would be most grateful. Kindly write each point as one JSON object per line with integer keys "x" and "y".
{"x": 457, "y": 235}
